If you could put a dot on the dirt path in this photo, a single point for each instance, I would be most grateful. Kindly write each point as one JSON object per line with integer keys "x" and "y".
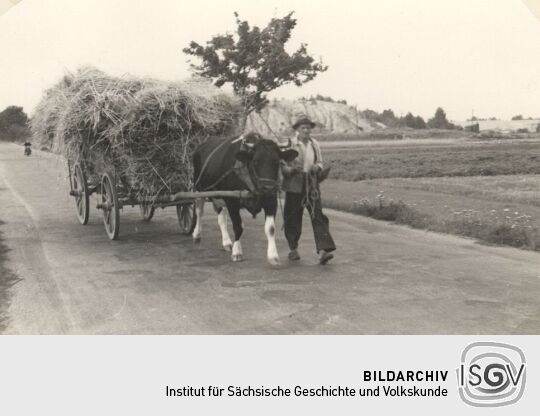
{"x": 385, "y": 279}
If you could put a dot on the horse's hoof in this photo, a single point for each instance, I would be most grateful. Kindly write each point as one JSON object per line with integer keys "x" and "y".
{"x": 196, "y": 240}
{"x": 237, "y": 257}
{"x": 274, "y": 261}
{"x": 227, "y": 247}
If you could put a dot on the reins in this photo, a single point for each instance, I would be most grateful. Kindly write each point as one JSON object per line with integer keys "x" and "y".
{"x": 208, "y": 161}
{"x": 312, "y": 192}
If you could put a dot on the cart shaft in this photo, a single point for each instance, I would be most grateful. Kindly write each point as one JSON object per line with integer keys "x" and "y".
{"x": 180, "y": 196}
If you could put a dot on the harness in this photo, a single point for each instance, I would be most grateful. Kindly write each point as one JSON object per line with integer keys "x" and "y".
{"x": 244, "y": 171}
{"x": 205, "y": 164}
{"x": 271, "y": 183}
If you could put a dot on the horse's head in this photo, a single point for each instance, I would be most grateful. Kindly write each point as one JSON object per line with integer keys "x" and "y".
{"x": 262, "y": 157}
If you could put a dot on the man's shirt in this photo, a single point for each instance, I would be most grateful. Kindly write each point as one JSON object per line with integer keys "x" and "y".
{"x": 309, "y": 153}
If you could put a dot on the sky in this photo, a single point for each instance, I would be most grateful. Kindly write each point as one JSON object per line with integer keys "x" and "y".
{"x": 414, "y": 55}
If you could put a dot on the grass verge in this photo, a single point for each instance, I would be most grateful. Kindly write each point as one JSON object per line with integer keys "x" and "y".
{"x": 480, "y": 223}
{"x": 7, "y": 280}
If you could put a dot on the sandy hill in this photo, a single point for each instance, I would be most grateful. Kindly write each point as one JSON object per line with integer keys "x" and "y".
{"x": 330, "y": 117}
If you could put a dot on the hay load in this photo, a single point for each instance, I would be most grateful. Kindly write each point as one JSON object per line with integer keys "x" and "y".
{"x": 47, "y": 114}
{"x": 144, "y": 130}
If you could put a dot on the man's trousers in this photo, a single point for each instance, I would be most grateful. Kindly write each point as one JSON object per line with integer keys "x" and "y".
{"x": 293, "y": 213}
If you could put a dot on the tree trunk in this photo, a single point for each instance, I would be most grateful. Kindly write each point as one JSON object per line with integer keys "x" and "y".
{"x": 243, "y": 121}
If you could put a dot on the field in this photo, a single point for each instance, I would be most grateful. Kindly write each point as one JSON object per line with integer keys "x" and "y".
{"x": 489, "y": 191}
{"x": 408, "y": 134}
{"x": 416, "y": 160}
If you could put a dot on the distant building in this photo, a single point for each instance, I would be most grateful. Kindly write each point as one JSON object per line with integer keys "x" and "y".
{"x": 503, "y": 126}
{"x": 474, "y": 128}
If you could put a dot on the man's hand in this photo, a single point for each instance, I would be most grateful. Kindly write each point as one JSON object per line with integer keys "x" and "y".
{"x": 290, "y": 170}
{"x": 315, "y": 169}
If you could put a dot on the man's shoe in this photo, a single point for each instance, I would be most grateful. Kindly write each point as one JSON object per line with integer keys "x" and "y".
{"x": 293, "y": 255}
{"x": 325, "y": 257}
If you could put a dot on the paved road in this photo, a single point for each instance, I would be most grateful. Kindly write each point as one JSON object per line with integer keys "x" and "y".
{"x": 386, "y": 279}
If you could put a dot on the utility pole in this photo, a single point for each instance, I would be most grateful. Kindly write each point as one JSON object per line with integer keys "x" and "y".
{"x": 356, "y": 114}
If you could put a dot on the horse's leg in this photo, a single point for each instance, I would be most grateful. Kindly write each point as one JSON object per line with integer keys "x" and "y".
{"x": 270, "y": 231}
{"x": 234, "y": 212}
{"x": 270, "y": 208}
{"x": 222, "y": 222}
{"x": 199, "y": 211}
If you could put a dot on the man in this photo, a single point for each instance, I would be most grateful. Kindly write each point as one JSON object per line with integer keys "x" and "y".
{"x": 27, "y": 150}
{"x": 301, "y": 186}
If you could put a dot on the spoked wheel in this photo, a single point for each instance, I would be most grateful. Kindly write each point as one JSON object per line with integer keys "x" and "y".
{"x": 186, "y": 217}
{"x": 110, "y": 207}
{"x": 79, "y": 189}
{"x": 147, "y": 211}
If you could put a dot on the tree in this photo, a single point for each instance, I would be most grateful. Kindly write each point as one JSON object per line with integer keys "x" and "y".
{"x": 255, "y": 61}
{"x": 518, "y": 117}
{"x": 419, "y": 123}
{"x": 410, "y": 120}
{"x": 13, "y": 123}
{"x": 439, "y": 120}
{"x": 370, "y": 115}
{"x": 414, "y": 122}
{"x": 13, "y": 115}
{"x": 389, "y": 118}
{"x": 320, "y": 97}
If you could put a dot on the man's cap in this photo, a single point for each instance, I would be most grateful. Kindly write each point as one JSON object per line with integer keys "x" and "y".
{"x": 303, "y": 119}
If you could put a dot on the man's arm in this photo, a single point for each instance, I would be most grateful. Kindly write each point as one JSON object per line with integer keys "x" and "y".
{"x": 286, "y": 169}
{"x": 318, "y": 166}
{"x": 290, "y": 168}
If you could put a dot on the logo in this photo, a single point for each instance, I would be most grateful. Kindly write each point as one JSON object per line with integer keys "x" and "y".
{"x": 491, "y": 374}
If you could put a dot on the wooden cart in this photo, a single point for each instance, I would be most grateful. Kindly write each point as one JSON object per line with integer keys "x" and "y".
{"x": 113, "y": 197}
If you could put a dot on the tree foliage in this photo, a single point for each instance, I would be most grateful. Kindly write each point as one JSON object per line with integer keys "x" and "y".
{"x": 419, "y": 123}
{"x": 439, "y": 120}
{"x": 414, "y": 122}
{"x": 13, "y": 123}
{"x": 325, "y": 98}
{"x": 388, "y": 118}
{"x": 254, "y": 60}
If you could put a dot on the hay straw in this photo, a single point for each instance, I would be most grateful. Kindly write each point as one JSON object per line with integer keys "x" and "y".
{"x": 144, "y": 130}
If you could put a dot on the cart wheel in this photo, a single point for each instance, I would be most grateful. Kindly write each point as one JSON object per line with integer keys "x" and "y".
{"x": 186, "y": 217}
{"x": 110, "y": 207}
{"x": 147, "y": 211}
{"x": 80, "y": 191}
